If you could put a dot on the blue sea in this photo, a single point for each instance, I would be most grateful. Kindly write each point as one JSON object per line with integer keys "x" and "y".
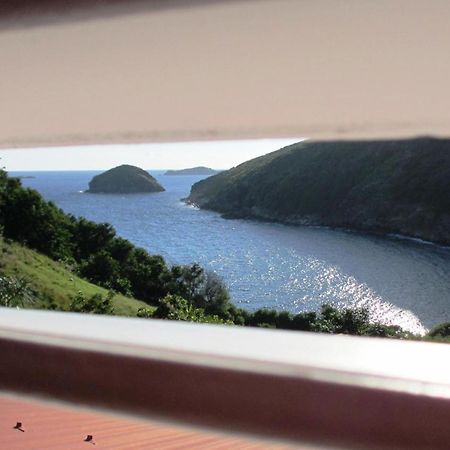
{"x": 293, "y": 268}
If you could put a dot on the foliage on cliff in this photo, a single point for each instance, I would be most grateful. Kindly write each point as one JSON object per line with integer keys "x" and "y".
{"x": 397, "y": 186}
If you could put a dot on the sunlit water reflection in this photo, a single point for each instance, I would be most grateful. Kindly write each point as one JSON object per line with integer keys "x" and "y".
{"x": 285, "y": 267}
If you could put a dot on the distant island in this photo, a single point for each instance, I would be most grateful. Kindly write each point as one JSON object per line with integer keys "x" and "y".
{"x": 124, "y": 179}
{"x": 193, "y": 171}
{"x": 390, "y": 187}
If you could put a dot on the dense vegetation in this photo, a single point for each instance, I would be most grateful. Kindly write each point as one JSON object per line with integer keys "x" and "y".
{"x": 440, "y": 332}
{"x": 30, "y": 279}
{"x": 93, "y": 252}
{"x": 124, "y": 179}
{"x": 50, "y": 259}
{"x": 398, "y": 186}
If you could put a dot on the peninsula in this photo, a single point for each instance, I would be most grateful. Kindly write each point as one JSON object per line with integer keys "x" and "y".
{"x": 193, "y": 171}
{"x": 124, "y": 179}
{"x": 391, "y": 186}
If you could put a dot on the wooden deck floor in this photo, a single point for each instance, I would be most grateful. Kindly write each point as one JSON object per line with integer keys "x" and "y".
{"x": 55, "y": 427}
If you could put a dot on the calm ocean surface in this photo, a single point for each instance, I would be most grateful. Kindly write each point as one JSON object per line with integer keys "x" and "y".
{"x": 284, "y": 267}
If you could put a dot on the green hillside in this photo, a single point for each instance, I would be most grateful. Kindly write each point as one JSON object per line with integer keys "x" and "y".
{"x": 396, "y": 186}
{"x": 51, "y": 283}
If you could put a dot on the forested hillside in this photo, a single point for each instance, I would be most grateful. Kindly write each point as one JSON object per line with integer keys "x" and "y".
{"x": 397, "y": 186}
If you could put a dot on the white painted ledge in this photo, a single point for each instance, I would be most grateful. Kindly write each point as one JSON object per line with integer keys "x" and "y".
{"x": 416, "y": 367}
{"x": 336, "y": 391}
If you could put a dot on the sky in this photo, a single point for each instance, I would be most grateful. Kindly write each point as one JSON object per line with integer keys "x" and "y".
{"x": 180, "y": 155}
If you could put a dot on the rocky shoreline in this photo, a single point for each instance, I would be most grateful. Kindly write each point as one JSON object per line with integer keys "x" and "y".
{"x": 383, "y": 200}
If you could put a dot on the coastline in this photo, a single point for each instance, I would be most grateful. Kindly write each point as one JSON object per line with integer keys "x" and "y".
{"x": 306, "y": 223}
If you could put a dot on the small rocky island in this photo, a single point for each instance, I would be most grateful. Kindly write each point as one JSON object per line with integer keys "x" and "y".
{"x": 201, "y": 170}
{"x": 124, "y": 179}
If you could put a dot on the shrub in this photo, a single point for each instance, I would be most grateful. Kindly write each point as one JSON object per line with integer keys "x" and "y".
{"x": 441, "y": 331}
{"x": 96, "y": 304}
{"x": 145, "y": 313}
{"x": 174, "y": 307}
{"x": 15, "y": 292}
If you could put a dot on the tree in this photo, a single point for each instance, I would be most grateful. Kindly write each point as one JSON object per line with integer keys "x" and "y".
{"x": 148, "y": 275}
{"x": 188, "y": 282}
{"x": 30, "y": 220}
{"x": 304, "y": 321}
{"x": 120, "y": 249}
{"x": 100, "y": 268}
{"x": 263, "y": 316}
{"x": 91, "y": 237}
{"x": 216, "y": 299}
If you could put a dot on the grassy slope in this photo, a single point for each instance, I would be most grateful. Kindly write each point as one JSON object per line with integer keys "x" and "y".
{"x": 52, "y": 282}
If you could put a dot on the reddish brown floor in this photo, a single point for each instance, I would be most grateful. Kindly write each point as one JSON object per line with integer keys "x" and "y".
{"x": 47, "y": 426}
